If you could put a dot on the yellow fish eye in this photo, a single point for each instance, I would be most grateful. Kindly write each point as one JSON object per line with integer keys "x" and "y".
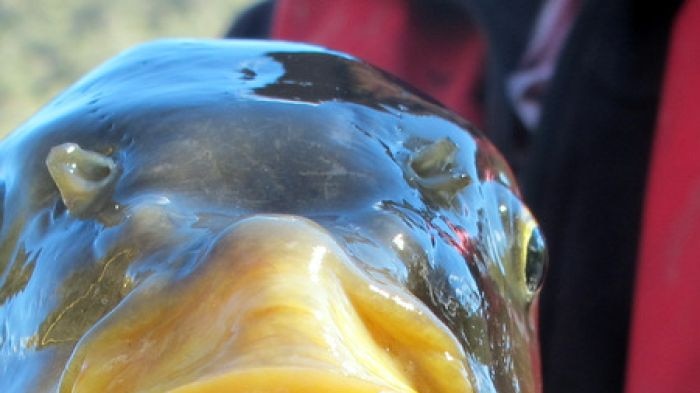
{"x": 535, "y": 260}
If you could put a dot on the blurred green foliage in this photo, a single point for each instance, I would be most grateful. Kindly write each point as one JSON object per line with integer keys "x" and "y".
{"x": 46, "y": 45}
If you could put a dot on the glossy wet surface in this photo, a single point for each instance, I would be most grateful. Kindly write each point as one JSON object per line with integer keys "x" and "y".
{"x": 117, "y": 196}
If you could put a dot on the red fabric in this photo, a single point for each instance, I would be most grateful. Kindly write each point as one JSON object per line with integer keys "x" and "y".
{"x": 442, "y": 60}
{"x": 665, "y": 342}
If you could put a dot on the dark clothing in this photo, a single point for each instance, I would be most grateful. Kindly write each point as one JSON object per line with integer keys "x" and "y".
{"x": 585, "y": 179}
{"x": 583, "y": 170}
{"x": 254, "y": 22}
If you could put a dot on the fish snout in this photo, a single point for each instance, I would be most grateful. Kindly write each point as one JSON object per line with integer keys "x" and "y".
{"x": 276, "y": 305}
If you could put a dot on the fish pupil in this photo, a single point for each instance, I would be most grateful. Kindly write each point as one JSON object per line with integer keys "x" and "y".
{"x": 536, "y": 261}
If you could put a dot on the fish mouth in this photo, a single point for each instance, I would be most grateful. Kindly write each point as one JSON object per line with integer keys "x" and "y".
{"x": 287, "y": 380}
{"x": 290, "y": 313}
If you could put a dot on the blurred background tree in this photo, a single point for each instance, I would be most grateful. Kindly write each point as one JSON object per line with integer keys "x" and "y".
{"x": 46, "y": 45}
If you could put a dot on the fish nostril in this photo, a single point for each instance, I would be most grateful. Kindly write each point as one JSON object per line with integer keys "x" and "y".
{"x": 95, "y": 172}
{"x": 84, "y": 178}
{"x": 434, "y": 170}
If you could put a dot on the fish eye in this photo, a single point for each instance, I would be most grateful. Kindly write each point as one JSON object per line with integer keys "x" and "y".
{"x": 535, "y": 260}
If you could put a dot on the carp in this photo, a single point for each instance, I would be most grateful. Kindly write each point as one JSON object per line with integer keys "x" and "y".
{"x": 260, "y": 216}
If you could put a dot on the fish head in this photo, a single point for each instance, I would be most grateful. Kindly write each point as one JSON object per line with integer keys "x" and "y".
{"x": 255, "y": 216}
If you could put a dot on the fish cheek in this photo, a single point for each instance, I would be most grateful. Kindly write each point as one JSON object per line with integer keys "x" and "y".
{"x": 96, "y": 263}
{"x": 384, "y": 246}
{"x": 88, "y": 294}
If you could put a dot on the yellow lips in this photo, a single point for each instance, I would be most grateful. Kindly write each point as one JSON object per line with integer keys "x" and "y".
{"x": 271, "y": 380}
{"x": 276, "y": 308}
